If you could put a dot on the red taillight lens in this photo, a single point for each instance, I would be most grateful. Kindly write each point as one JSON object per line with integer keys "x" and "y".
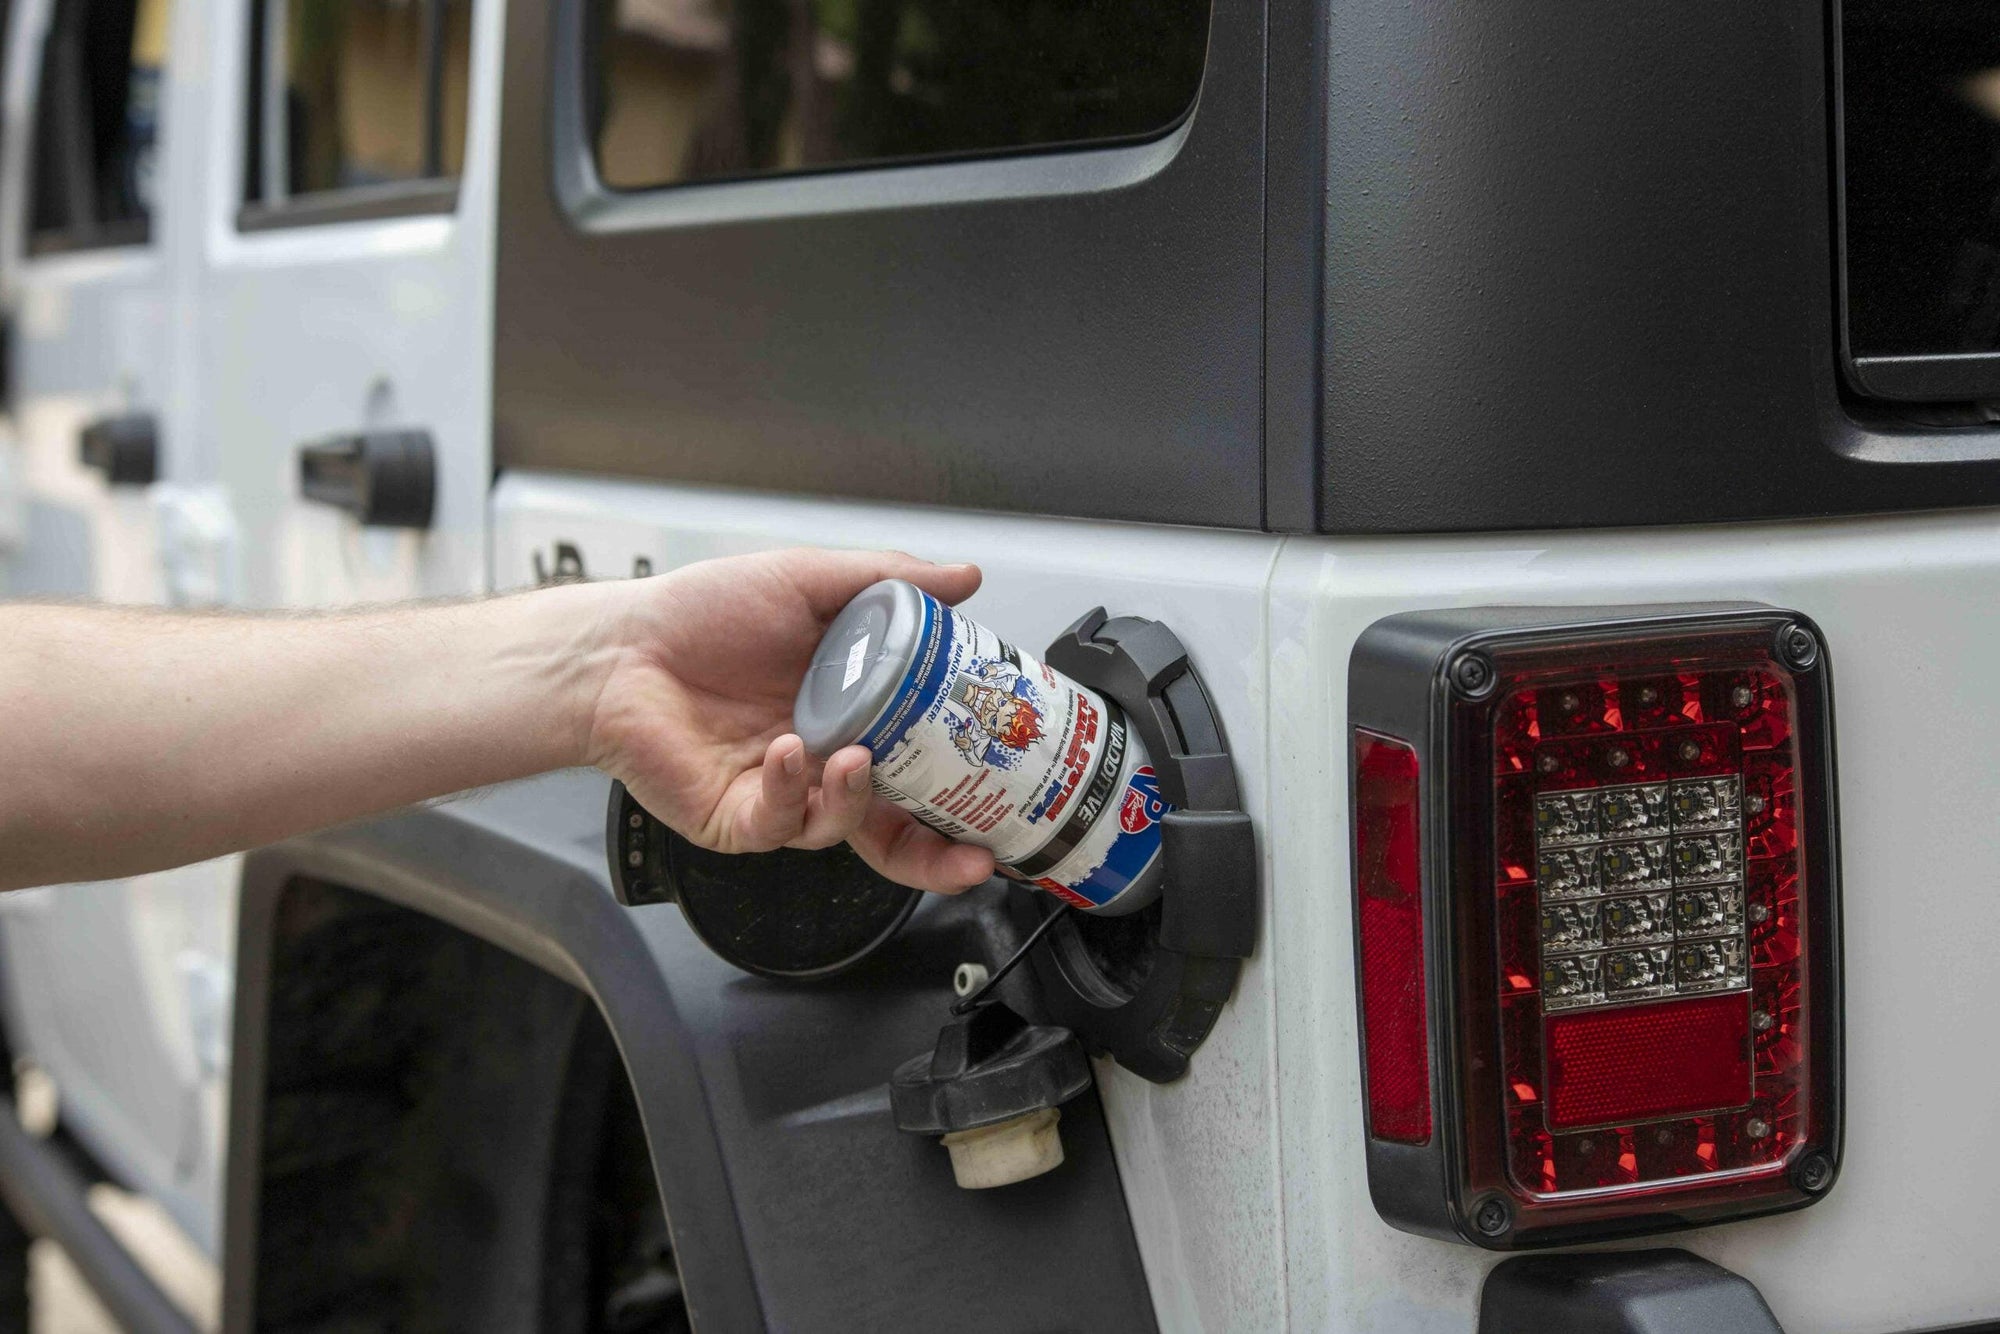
{"x": 1636, "y": 906}
{"x": 1654, "y": 803}
{"x": 1645, "y": 1062}
{"x": 1390, "y": 913}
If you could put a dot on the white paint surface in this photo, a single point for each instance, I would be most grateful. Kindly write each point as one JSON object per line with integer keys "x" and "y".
{"x": 96, "y": 997}
{"x": 1908, "y": 607}
{"x": 1198, "y": 1157}
{"x": 243, "y": 346}
{"x": 310, "y": 332}
{"x": 1246, "y": 1179}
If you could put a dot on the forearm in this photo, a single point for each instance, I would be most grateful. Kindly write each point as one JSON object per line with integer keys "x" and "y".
{"x": 131, "y": 740}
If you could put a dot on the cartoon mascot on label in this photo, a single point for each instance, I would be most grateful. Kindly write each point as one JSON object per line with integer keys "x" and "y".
{"x": 1002, "y": 715}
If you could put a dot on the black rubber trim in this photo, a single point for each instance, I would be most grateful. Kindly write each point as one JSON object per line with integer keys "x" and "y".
{"x": 1295, "y": 273}
{"x": 1206, "y": 921}
{"x": 124, "y": 447}
{"x": 550, "y": 912}
{"x": 384, "y": 479}
{"x": 47, "y": 1196}
{"x": 370, "y": 203}
{"x": 1957, "y": 377}
{"x": 1631, "y": 1292}
{"x": 763, "y": 1102}
{"x": 128, "y": 234}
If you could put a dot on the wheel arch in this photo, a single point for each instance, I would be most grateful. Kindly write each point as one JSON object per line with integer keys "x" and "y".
{"x": 791, "y": 1199}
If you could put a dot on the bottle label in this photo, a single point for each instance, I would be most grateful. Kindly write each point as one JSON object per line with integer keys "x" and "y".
{"x": 989, "y": 745}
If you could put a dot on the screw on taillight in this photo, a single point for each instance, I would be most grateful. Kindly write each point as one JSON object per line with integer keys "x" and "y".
{"x": 1622, "y": 923}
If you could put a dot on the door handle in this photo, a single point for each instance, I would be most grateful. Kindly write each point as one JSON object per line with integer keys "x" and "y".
{"x": 385, "y": 479}
{"x": 124, "y": 447}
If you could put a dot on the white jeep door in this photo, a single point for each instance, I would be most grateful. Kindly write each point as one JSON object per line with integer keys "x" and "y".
{"x": 90, "y": 294}
{"x": 346, "y": 291}
{"x": 116, "y": 990}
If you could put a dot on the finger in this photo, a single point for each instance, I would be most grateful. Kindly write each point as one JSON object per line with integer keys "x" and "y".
{"x": 950, "y": 584}
{"x": 891, "y": 841}
{"x": 777, "y": 813}
{"x": 830, "y": 579}
{"x": 840, "y": 802}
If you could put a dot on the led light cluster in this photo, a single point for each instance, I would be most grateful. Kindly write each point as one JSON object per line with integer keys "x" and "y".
{"x": 1680, "y": 845}
{"x": 1647, "y": 873}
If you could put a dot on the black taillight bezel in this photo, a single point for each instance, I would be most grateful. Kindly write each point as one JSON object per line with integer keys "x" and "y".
{"x": 1427, "y": 678}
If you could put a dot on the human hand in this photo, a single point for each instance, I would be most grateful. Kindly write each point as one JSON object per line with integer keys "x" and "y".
{"x": 694, "y": 713}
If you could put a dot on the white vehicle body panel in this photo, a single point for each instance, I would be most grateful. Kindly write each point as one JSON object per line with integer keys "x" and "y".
{"x": 338, "y": 327}
{"x": 115, "y": 986}
{"x": 1908, "y": 608}
{"x": 1246, "y": 1180}
{"x": 1199, "y": 1156}
{"x": 92, "y": 334}
{"x": 244, "y": 345}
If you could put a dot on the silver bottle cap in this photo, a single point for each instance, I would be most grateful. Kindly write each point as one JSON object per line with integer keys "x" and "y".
{"x": 859, "y": 666}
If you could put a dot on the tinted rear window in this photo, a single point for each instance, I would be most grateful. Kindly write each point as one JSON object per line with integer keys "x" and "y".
{"x": 689, "y": 90}
{"x": 370, "y": 93}
{"x": 1921, "y": 92}
{"x": 103, "y": 70}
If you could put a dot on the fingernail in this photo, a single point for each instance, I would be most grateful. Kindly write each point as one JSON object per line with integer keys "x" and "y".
{"x": 795, "y": 761}
{"x": 857, "y": 779}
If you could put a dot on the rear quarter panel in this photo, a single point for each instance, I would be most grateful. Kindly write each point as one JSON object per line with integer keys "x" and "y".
{"x": 1198, "y": 1157}
{"x": 1908, "y": 608}
{"x": 1246, "y": 1180}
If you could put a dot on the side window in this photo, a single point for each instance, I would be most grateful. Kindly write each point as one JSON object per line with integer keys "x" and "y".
{"x": 96, "y": 124}
{"x": 1920, "y": 104}
{"x": 690, "y": 90}
{"x": 368, "y": 101}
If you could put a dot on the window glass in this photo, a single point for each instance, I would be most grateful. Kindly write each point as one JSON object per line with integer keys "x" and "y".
{"x": 97, "y": 122}
{"x": 371, "y": 93}
{"x": 1921, "y": 94}
{"x": 687, "y": 90}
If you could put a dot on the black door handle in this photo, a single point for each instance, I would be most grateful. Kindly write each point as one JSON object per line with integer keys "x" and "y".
{"x": 386, "y": 479}
{"x": 125, "y": 448}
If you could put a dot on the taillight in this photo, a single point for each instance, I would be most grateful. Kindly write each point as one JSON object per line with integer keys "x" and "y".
{"x": 1389, "y": 915}
{"x": 1596, "y": 919}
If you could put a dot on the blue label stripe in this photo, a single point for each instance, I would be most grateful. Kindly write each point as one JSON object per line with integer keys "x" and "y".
{"x": 1127, "y": 860}
{"x": 922, "y": 683}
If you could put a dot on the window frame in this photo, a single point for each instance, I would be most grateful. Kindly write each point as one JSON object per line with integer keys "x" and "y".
{"x": 580, "y": 69}
{"x": 265, "y": 101}
{"x": 1027, "y": 173}
{"x": 65, "y": 23}
{"x": 1076, "y": 331}
{"x": 1903, "y": 378}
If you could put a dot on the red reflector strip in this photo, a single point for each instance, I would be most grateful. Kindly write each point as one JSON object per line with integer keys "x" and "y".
{"x": 1643, "y": 1062}
{"x": 1388, "y": 879}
